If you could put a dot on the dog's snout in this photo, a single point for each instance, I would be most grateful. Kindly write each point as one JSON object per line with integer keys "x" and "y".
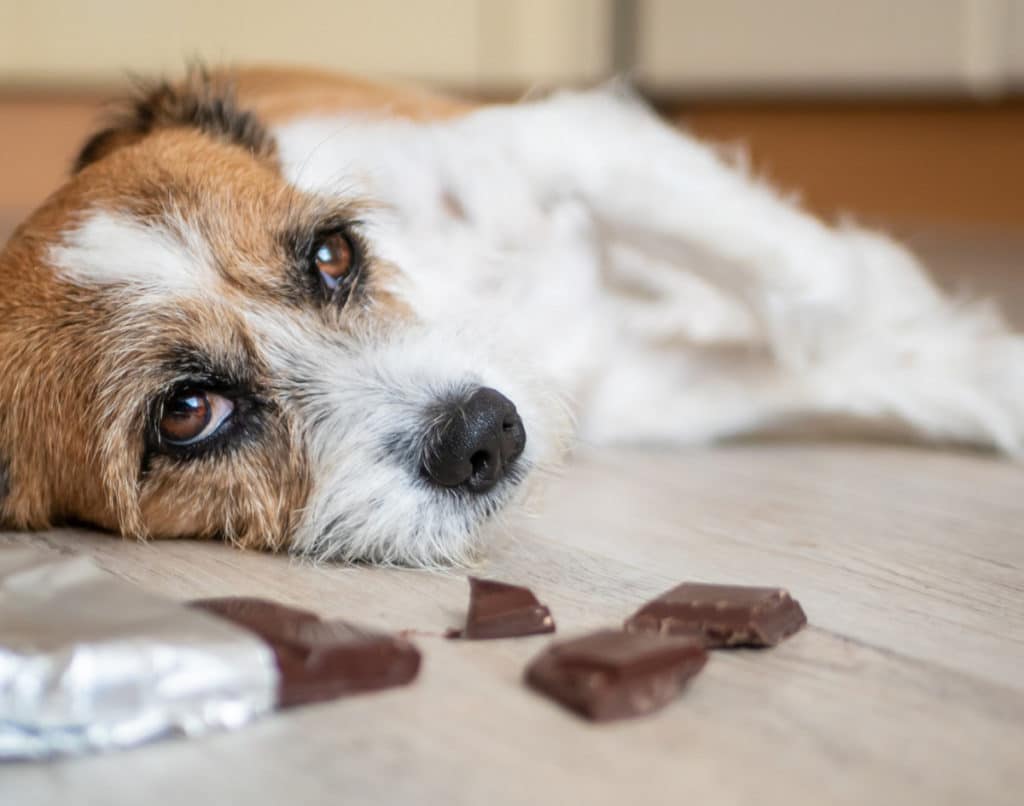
{"x": 475, "y": 442}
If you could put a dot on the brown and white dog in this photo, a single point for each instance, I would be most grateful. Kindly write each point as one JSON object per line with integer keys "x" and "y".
{"x": 296, "y": 310}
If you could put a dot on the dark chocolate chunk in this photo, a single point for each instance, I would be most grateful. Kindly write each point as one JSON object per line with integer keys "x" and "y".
{"x": 722, "y": 615}
{"x": 498, "y": 610}
{"x": 259, "y": 615}
{"x": 611, "y": 674}
{"x": 320, "y": 660}
{"x": 327, "y": 659}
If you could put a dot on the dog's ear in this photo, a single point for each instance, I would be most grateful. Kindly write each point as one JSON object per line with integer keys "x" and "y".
{"x": 102, "y": 143}
{"x": 202, "y": 101}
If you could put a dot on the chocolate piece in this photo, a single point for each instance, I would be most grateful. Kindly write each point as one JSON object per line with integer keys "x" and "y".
{"x": 498, "y": 610}
{"x": 722, "y": 615}
{"x": 611, "y": 674}
{"x": 320, "y": 660}
{"x": 259, "y": 615}
{"x": 324, "y": 660}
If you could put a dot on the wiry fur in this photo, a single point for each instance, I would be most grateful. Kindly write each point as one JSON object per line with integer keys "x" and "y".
{"x": 574, "y": 253}
{"x": 202, "y": 101}
{"x": 671, "y": 295}
{"x": 367, "y": 405}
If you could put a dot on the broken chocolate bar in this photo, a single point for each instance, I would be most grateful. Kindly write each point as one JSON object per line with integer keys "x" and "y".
{"x": 258, "y": 615}
{"x": 320, "y": 660}
{"x": 499, "y": 610}
{"x": 611, "y": 674}
{"x": 722, "y": 615}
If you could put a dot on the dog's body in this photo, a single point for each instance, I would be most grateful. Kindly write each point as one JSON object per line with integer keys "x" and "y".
{"x": 282, "y": 318}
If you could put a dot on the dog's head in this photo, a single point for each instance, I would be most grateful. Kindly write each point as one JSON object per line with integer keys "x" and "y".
{"x": 190, "y": 346}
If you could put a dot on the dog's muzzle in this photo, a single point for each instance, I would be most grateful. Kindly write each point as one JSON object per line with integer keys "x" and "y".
{"x": 474, "y": 442}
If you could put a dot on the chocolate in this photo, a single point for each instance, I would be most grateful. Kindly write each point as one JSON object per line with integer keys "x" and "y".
{"x": 722, "y": 615}
{"x": 611, "y": 675}
{"x": 499, "y": 610}
{"x": 320, "y": 660}
{"x": 258, "y": 615}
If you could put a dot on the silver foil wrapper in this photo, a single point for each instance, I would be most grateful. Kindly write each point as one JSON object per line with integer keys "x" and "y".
{"x": 89, "y": 662}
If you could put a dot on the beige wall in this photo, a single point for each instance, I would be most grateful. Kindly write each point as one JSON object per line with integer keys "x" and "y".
{"x": 459, "y": 42}
{"x": 680, "y": 46}
{"x": 851, "y": 45}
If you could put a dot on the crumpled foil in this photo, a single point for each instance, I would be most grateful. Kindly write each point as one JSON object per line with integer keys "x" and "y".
{"x": 89, "y": 662}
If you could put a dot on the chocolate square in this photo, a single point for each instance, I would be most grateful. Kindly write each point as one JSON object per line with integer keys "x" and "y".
{"x": 500, "y": 610}
{"x": 611, "y": 674}
{"x": 722, "y": 615}
{"x": 320, "y": 660}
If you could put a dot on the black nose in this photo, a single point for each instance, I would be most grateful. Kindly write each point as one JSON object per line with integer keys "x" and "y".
{"x": 475, "y": 442}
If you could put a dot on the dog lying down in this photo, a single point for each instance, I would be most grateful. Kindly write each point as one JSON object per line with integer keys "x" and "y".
{"x": 300, "y": 311}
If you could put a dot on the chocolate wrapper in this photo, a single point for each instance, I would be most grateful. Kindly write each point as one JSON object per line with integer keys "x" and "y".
{"x": 88, "y": 662}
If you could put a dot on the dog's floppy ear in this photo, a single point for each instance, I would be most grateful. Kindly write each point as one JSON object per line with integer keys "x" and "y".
{"x": 102, "y": 143}
{"x": 203, "y": 101}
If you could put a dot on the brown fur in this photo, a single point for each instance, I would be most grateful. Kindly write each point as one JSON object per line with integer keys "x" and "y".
{"x": 79, "y": 371}
{"x": 201, "y": 101}
{"x": 278, "y": 94}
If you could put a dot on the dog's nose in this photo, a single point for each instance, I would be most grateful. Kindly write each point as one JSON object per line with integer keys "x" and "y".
{"x": 475, "y": 442}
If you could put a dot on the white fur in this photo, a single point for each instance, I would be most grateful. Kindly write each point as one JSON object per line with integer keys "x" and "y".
{"x": 356, "y": 395}
{"x": 575, "y": 249}
{"x": 109, "y": 248}
{"x": 665, "y": 292}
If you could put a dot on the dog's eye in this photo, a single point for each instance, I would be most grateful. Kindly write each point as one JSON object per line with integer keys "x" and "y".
{"x": 193, "y": 415}
{"x": 334, "y": 259}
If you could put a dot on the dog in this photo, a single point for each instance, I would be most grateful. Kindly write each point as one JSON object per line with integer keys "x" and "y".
{"x": 296, "y": 310}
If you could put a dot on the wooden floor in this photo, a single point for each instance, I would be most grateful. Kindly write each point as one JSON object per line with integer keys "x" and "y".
{"x": 907, "y": 687}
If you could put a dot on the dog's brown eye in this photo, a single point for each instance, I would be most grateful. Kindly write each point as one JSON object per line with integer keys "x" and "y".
{"x": 191, "y": 416}
{"x": 333, "y": 257}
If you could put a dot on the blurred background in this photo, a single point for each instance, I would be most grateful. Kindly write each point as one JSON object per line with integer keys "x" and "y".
{"x": 907, "y": 114}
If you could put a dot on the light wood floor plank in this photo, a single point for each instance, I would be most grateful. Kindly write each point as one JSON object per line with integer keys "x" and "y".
{"x": 906, "y": 688}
